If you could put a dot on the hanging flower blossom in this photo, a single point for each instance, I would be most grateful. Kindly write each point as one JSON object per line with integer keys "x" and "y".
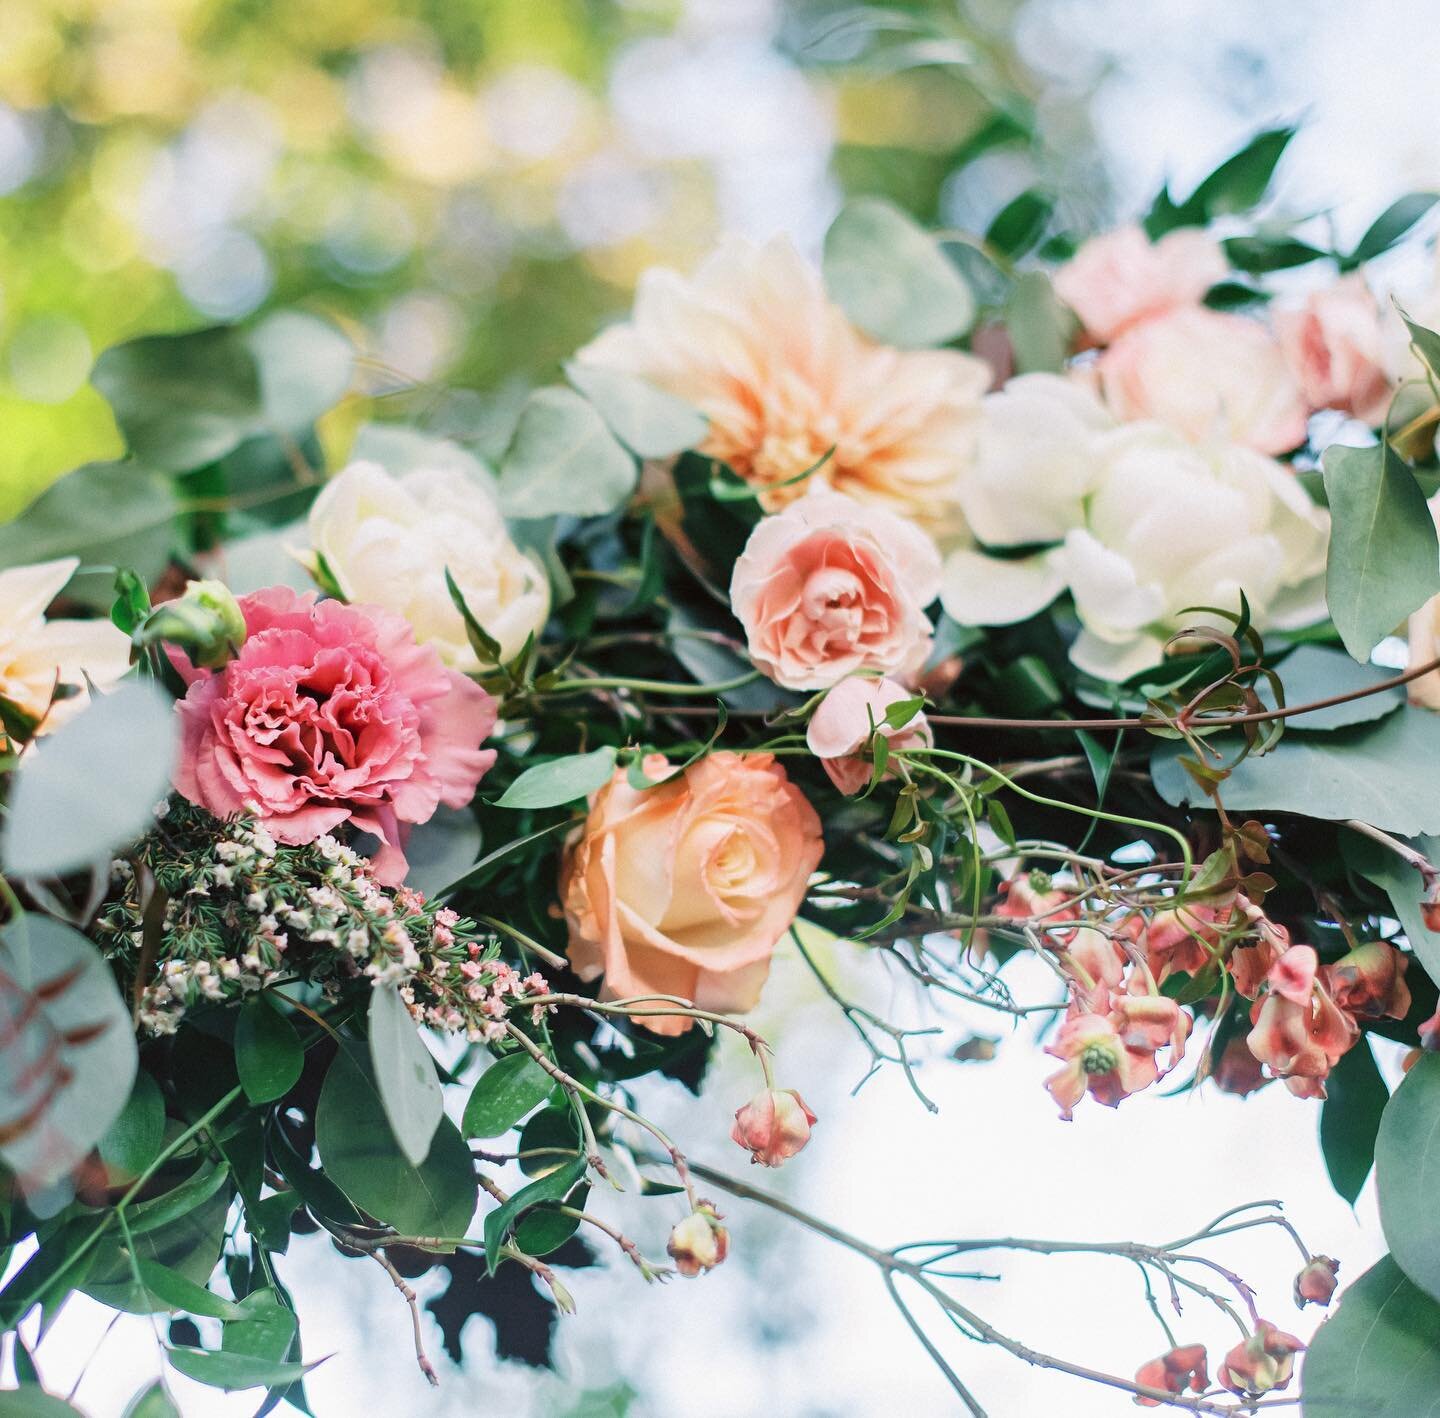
{"x": 1298, "y": 1031}
{"x": 773, "y": 1126}
{"x": 1181, "y": 1368}
{"x": 753, "y": 341}
{"x": 1316, "y": 1282}
{"x": 699, "y": 1242}
{"x": 1369, "y": 982}
{"x": 1260, "y": 1364}
{"x": 1184, "y": 939}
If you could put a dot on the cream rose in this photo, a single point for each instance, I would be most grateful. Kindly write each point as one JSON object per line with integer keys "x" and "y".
{"x": 1210, "y": 375}
{"x": 388, "y": 541}
{"x": 1117, "y": 280}
{"x": 684, "y": 888}
{"x": 39, "y": 655}
{"x": 753, "y": 341}
{"x": 1169, "y": 525}
{"x": 829, "y": 586}
{"x": 1335, "y": 344}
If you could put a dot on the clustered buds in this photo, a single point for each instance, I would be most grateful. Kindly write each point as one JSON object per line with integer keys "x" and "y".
{"x": 1184, "y": 1366}
{"x": 1261, "y": 1363}
{"x": 773, "y": 1126}
{"x": 1316, "y": 1282}
{"x": 699, "y": 1242}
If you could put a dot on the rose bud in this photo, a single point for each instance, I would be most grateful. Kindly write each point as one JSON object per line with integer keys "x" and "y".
{"x": 773, "y": 1126}
{"x": 206, "y": 622}
{"x": 1263, "y": 1362}
{"x": 1172, "y": 1372}
{"x": 1315, "y": 1284}
{"x": 699, "y": 1242}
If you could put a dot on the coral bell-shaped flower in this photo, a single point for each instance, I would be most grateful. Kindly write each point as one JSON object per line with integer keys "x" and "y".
{"x": 1261, "y": 1363}
{"x": 699, "y": 1242}
{"x": 1096, "y": 1060}
{"x": 1369, "y": 982}
{"x": 773, "y": 1126}
{"x": 1183, "y": 939}
{"x": 1315, "y": 1284}
{"x": 1182, "y": 1366}
{"x": 1298, "y": 1031}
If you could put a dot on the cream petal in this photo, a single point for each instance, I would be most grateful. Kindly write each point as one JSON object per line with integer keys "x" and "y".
{"x": 985, "y": 590}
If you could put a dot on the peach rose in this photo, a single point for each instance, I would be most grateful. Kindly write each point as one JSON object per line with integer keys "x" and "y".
{"x": 845, "y": 720}
{"x": 753, "y": 341}
{"x": 683, "y": 889}
{"x": 1335, "y": 344}
{"x": 1208, "y": 375}
{"x": 828, "y": 587}
{"x": 1119, "y": 279}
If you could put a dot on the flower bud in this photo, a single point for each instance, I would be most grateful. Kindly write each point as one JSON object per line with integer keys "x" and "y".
{"x": 1369, "y": 982}
{"x": 773, "y": 1126}
{"x": 1315, "y": 1284}
{"x": 1172, "y": 1372}
{"x": 1264, "y": 1361}
{"x": 206, "y": 622}
{"x": 699, "y": 1242}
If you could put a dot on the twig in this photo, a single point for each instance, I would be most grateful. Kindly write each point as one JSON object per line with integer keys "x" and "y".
{"x": 426, "y": 1367}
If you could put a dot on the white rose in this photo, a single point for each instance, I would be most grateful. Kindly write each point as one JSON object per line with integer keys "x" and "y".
{"x": 388, "y": 541}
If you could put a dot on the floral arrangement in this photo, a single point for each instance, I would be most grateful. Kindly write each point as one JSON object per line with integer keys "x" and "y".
{"x": 1036, "y": 595}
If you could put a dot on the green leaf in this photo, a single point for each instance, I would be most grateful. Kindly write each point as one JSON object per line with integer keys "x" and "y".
{"x": 1241, "y": 181}
{"x": 405, "y": 1073}
{"x": 234, "y": 1371}
{"x": 554, "y": 1187}
{"x": 152, "y": 1402}
{"x": 264, "y": 1328}
{"x": 1350, "y": 1119}
{"x": 1391, "y": 225}
{"x": 135, "y": 1138}
{"x": 191, "y": 1194}
{"x": 1407, "y": 1163}
{"x": 95, "y": 786}
{"x": 1384, "y": 561}
{"x": 1386, "y": 774}
{"x": 647, "y": 420}
{"x": 27, "y": 1401}
{"x": 1021, "y": 223}
{"x": 563, "y": 459}
{"x": 1427, "y": 344}
{"x": 42, "y": 441}
{"x": 67, "y": 1055}
{"x": 1259, "y": 254}
{"x": 509, "y": 1089}
{"x": 562, "y": 780}
{"x": 545, "y": 1229}
{"x": 485, "y": 645}
{"x": 270, "y": 1219}
{"x": 441, "y": 848}
{"x": 268, "y": 1056}
{"x": 1404, "y": 886}
{"x": 362, "y": 1157}
{"x": 1311, "y": 672}
{"x": 181, "y": 1293}
{"x": 185, "y": 401}
{"x": 104, "y": 513}
{"x": 187, "y": 1246}
{"x": 892, "y": 279}
{"x": 1038, "y": 323}
{"x": 1377, "y": 1354}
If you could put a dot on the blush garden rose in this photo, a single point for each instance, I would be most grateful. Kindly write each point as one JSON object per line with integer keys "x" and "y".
{"x": 331, "y": 716}
{"x": 684, "y": 889}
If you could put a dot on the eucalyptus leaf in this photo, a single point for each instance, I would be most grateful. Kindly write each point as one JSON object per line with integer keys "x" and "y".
{"x": 562, "y": 780}
{"x": 362, "y": 1157}
{"x": 92, "y": 787}
{"x": 1311, "y": 672}
{"x": 1384, "y": 560}
{"x": 1402, "y": 883}
{"x": 1427, "y": 344}
{"x": 400, "y": 450}
{"x": 1407, "y": 1166}
{"x": 892, "y": 278}
{"x": 1350, "y": 1118}
{"x": 508, "y": 1090}
{"x": 563, "y": 459}
{"x": 1377, "y": 1354}
{"x": 67, "y": 1049}
{"x": 441, "y": 848}
{"x": 647, "y": 420}
{"x": 404, "y": 1072}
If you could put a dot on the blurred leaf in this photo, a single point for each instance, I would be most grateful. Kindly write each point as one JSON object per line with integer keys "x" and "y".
{"x": 1407, "y": 1159}
{"x": 44, "y": 440}
{"x": 94, "y": 787}
{"x": 1384, "y": 560}
{"x": 1259, "y": 254}
{"x": 1376, "y": 1355}
{"x": 1427, "y": 344}
{"x": 152, "y": 1402}
{"x": 441, "y": 849}
{"x": 28, "y": 1401}
{"x": 404, "y": 1073}
{"x": 268, "y": 1056}
{"x": 1350, "y": 1118}
{"x": 563, "y": 459}
{"x": 134, "y": 1139}
{"x": 305, "y": 366}
{"x": 562, "y": 780}
{"x": 1238, "y": 184}
{"x": 362, "y": 1157}
{"x": 1021, "y": 223}
{"x": 509, "y": 1089}
{"x": 647, "y": 420}
{"x": 1039, "y": 326}
{"x": 1402, "y": 883}
{"x": 892, "y": 279}
{"x": 1390, "y": 226}
{"x": 67, "y": 1052}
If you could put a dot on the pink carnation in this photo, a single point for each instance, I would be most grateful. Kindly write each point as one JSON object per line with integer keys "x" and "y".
{"x": 331, "y": 714}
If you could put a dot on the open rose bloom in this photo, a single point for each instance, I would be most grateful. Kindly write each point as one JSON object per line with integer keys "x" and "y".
{"x": 330, "y": 716}
{"x": 753, "y": 341}
{"x": 684, "y": 889}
